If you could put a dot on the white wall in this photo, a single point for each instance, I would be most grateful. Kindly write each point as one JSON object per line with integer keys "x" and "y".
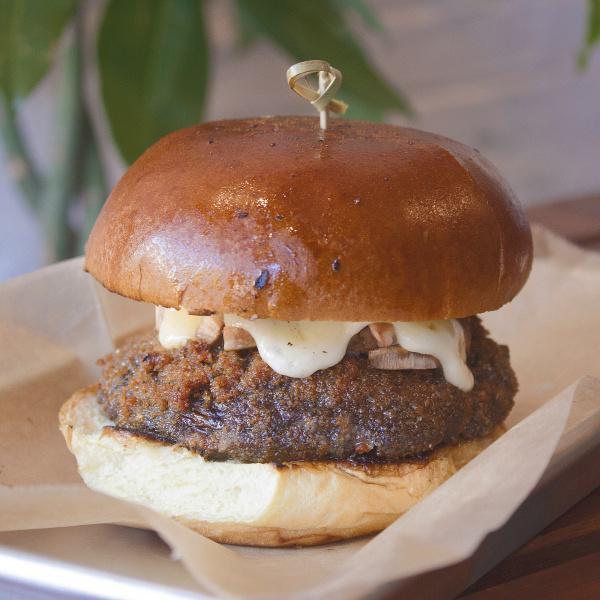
{"x": 496, "y": 74}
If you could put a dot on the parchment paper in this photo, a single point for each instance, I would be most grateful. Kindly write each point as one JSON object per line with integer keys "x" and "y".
{"x": 56, "y": 322}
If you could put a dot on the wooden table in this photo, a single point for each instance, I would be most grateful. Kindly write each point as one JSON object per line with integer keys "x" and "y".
{"x": 563, "y": 561}
{"x": 578, "y": 220}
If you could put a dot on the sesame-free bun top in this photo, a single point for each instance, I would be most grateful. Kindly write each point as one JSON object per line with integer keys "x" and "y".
{"x": 271, "y": 217}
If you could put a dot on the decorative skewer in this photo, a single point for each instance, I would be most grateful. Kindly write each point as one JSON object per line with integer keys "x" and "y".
{"x": 330, "y": 80}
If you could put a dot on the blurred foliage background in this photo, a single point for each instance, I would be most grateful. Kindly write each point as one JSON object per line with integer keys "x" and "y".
{"x": 150, "y": 66}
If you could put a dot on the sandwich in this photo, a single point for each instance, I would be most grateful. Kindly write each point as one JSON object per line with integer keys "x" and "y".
{"x": 318, "y": 364}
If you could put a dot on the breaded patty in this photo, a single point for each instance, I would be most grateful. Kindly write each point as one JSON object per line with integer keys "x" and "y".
{"x": 232, "y": 405}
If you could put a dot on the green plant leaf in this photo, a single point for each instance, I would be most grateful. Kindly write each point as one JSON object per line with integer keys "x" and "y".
{"x": 153, "y": 60}
{"x": 592, "y": 35}
{"x": 29, "y": 33}
{"x": 364, "y": 11}
{"x": 308, "y": 29}
{"x": 247, "y": 32}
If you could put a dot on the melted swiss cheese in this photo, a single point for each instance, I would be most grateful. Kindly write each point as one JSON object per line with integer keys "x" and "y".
{"x": 298, "y": 349}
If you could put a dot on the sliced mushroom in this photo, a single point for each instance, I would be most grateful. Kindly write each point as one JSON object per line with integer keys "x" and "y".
{"x": 235, "y": 338}
{"x": 209, "y": 328}
{"x": 383, "y": 333}
{"x": 375, "y": 335}
{"x": 159, "y": 315}
{"x": 396, "y": 358}
{"x": 464, "y": 337}
{"x": 362, "y": 342}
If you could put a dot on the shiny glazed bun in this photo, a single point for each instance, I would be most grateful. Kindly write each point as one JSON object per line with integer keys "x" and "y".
{"x": 259, "y": 504}
{"x": 271, "y": 217}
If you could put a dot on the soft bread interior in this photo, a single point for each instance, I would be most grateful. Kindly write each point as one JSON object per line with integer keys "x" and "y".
{"x": 257, "y": 504}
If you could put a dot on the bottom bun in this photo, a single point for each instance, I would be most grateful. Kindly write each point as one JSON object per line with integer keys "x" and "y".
{"x": 295, "y": 504}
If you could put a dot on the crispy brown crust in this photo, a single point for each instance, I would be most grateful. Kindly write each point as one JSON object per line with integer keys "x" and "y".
{"x": 231, "y": 405}
{"x": 271, "y": 217}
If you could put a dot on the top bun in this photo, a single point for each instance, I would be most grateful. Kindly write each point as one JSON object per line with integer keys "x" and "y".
{"x": 271, "y": 217}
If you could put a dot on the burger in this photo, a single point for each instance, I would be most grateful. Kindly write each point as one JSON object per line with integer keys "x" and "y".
{"x": 318, "y": 365}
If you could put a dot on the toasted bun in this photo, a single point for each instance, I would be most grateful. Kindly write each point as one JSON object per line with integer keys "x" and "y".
{"x": 251, "y": 504}
{"x": 366, "y": 222}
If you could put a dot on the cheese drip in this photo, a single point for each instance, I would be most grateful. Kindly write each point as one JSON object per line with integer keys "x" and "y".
{"x": 176, "y": 327}
{"x": 298, "y": 349}
{"x": 440, "y": 340}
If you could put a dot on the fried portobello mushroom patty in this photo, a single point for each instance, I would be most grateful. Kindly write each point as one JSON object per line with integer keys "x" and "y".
{"x": 230, "y": 405}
